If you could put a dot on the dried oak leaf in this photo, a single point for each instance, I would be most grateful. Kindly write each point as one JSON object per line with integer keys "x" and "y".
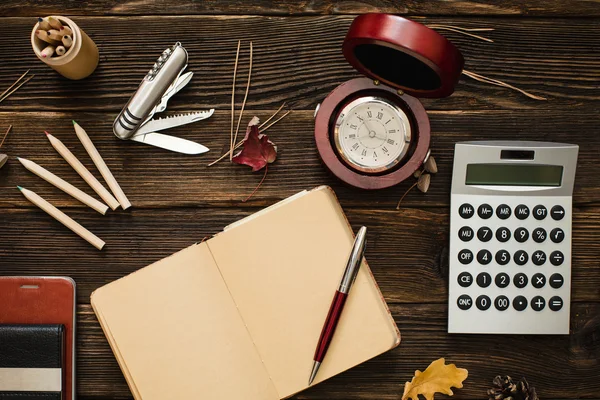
{"x": 437, "y": 378}
{"x": 257, "y": 150}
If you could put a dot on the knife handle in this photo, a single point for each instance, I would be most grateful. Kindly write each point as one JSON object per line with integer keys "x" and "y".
{"x": 154, "y": 85}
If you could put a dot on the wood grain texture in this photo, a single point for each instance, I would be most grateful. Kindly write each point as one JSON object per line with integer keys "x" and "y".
{"x": 299, "y": 60}
{"x": 572, "y": 360}
{"x": 291, "y": 7}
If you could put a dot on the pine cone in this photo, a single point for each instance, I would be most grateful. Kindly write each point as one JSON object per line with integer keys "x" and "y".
{"x": 505, "y": 389}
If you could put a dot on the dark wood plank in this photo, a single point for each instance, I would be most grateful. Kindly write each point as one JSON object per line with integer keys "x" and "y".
{"x": 299, "y": 60}
{"x": 558, "y": 366}
{"x": 153, "y": 177}
{"x": 408, "y": 250}
{"x": 290, "y": 7}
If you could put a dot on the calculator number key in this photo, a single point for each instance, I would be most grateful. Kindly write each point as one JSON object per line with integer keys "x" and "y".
{"x": 483, "y": 302}
{"x": 466, "y": 233}
{"x": 484, "y": 279}
{"x": 521, "y": 235}
{"x": 484, "y": 234}
{"x": 502, "y": 280}
{"x": 539, "y": 235}
{"x": 557, "y": 235}
{"x": 502, "y": 257}
{"x": 521, "y": 257}
{"x": 520, "y": 280}
{"x": 501, "y": 303}
{"x": 538, "y": 257}
{"x": 503, "y": 234}
{"x": 484, "y": 257}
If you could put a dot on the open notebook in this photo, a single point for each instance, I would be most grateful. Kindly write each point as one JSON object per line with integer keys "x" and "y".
{"x": 239, "y": 315}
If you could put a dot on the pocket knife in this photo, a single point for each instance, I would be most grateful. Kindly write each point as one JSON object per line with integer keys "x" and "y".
{"x": 164, "y": 80}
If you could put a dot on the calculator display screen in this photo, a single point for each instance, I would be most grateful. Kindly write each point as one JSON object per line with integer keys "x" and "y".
{"x": 514, "y": 175}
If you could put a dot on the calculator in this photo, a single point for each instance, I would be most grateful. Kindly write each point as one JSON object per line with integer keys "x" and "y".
{"x": 510, "y": 237}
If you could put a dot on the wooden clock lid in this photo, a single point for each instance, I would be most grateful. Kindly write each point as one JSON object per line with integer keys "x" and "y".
{"x": 403, "y": 54}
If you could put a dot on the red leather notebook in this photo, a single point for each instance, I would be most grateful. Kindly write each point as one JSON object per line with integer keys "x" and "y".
{"x": 43, "y": 300}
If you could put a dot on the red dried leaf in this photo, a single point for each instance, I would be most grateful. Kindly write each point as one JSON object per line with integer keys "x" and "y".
{"x": 257, "y": 150}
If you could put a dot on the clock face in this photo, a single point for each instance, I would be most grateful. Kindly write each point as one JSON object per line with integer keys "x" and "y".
{"x": 372, "y": 134}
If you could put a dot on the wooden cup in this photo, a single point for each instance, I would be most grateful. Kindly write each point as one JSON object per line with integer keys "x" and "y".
{"x": 80, "y": 60}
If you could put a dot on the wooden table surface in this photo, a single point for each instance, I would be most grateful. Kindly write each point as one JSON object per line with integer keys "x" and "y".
{"x": 551, "y": 48}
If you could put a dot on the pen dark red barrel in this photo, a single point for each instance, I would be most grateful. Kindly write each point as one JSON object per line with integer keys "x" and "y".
{"x": 337, "y": 305}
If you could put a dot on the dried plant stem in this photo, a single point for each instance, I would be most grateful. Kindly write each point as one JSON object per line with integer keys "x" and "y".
{"x": 237, "y": 56}
{"x": 15, "y": 89}
{"x": 5, "y": 135}
{"x": 496, "y": 82}
{"x": 14, "y": 83}
{"x": 259, "y": 185}
{"x": 464, "y": 31}
{"x": 272, "y": 116}
{"x": 276, "y": 121}
{"x": 405, "y": 193}
{"x": 245, "y": 98}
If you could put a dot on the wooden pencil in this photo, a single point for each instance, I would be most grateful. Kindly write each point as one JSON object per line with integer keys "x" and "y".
{"x": 43, "y": 24}
{"x": 54, "y": 23}
{"x": 43, "y": 35}
{"x": 60, "y": 50}
{"x": 64, "y": 185}
{"x": 48, "y": 51}
{"x": 67, "y": 41}
{"x": 101, "y": 165}
{"x": 65, "y": 30}
{"x": 62, "y": 218}
{"x": 83, "y": 172}
{"x": 54, "y": 34}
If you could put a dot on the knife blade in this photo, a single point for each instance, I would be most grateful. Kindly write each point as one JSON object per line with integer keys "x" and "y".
{"x": 173, "y": 121}
{"x": 172, "y": 143}
{"x": 179, "y": 84}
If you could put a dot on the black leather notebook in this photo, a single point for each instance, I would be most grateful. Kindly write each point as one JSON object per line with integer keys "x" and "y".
{"x": 31, "y": 362}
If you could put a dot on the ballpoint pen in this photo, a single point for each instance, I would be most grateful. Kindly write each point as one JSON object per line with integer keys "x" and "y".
{"x": 339, "y": 299}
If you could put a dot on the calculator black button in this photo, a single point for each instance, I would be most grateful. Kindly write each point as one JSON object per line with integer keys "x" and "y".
{"x": 521, "y": 257}
{"x": 538, "y": 303}
{"x": 538, "y": 281}
{"x": 503, "y": 211}
{"x": 484, "y": 279}
{"x": 502, "y": 257}
{"x": 465, "y": 279}
{"x": 501, "y": 303}
{"x": 466, "y": 233}
{"x": 557, "y": 235}
{"x": 520, "y": 280}
{"x": 484, "y": 234}
{"x": 557, "y": 213}
{"x": 540, "y": 212}
{"x": 502, "y": 234}
{"x": 520, "y": 303}
{"x": 538, "y": 235}
{"x": 521, "y": 235}
{"x": 485, "y": 211}
{"x": 555, "y": 303}
{"x": 556, "y": 258}
{"x": 466, "y": 211}
{"x": 538, "y": 257}
{"x": 502, "y": 280}
{"x": 556, "y": 281}
{"x": 464, "y": 302}
{"x": 484, "y": 257}
{"x": 465, "y": 256}
{"x": 483, "y": 302}
{"x": 522, "y": 211}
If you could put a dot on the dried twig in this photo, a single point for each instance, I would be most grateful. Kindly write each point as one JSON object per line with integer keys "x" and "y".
{"x": 14, "y": 83}
{"x": 464, "y": 31}
{"x": 5, "y": 135}
{"x": 496, "y": 82}
{"x": 259, "y": 185}
{"x": 245, "y": 98}
{"x": 276, "y": 121}
{"x": 15, "y": 89}
{"x": 272, "y": 116}
{"x": 237, "y": 56}
{"x": 405, "y": 193}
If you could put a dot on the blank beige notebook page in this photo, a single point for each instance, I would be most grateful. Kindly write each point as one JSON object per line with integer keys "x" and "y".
{"x": 177, "y": 333}
{"x": 282, "y": 269}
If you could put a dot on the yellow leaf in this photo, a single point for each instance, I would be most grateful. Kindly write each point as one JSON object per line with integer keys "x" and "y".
{"x": 437, "y": 378}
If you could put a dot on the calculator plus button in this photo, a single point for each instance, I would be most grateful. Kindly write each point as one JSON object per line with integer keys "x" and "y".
{"x": 557, "y": 235}
{"x": 466, "y": 211}
{"x": 555, "y": 303}
{"x": 465, "y": 256}
{"x": 466, "y": 233}
{"x": 502, "y": 234}
{"x": 556, "y": 281}
{"x": 540, "y": 212}
{"x": 484, "y": 257}
{"x": 520, "y": 303}
{"x": 538, "y": 281}
{"x": 483, "y": 302}
{"x": 484, "y": 234}
{"x": 485, "y": 211}
{"x": 557, "y": 258}
{"x": 484, "y": 279}
{"x": 521, "y": 235}
{"x": 501, "y": 303}
{"x": 464, "y": 302}
{"x": 502, "y": 257}
{"x": 502, "y": 280}
{"x": 538, "y": 235}
{"x": 503, "y": 211}
{"x": 538, "y": 303}
{"x": 465, "y": 279}
{"x": 521, "y": 257}
{"x": 538, "y": 257}
{"x": 522, "y": 211}
{"x": 520, "y": 280}
{"x": 557, "y": 213}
